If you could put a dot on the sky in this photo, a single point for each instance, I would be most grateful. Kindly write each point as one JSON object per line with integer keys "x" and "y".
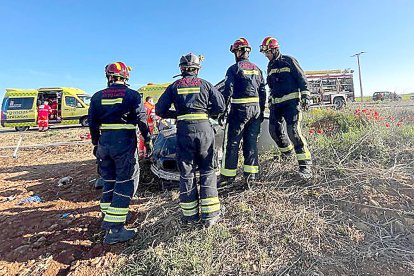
{"x": 52, "y": 43}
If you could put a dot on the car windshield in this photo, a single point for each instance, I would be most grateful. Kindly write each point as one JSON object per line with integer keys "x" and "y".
{"x": 85, "y": 98}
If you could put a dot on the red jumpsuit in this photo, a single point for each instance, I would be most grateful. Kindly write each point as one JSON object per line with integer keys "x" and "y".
{"x": 54, "y": 111}
{"x": 43, "y": 116}
{"x": 152, "y": 118}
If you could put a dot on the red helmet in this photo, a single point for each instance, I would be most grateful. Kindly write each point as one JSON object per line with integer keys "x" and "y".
{"x": 269, "y": 43}
{"x": 240, "y": 44}
{"x": 117, "y": 69}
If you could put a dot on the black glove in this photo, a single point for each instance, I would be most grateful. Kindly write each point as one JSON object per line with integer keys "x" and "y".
{"x": 95, "y": 149}
{"x": 149, "y": 146}
{"x": 221, "y": 119}
{"x": 305, "y": 103}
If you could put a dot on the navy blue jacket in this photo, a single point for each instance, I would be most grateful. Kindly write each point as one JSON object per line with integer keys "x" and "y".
{"x": 285, "y": 76}
{"x": 245, "y": 80}
{"x": 190, "y": 95}
{"x": 116, "y": 105}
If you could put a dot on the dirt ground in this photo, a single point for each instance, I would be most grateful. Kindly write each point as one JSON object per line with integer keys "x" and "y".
{"x": 61, "y": 234}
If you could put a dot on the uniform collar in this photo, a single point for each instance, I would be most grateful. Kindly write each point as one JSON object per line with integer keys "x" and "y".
{"x": 116, "y": 85}
{"x": 189, "y": 74}
{"x": 243, "y": 59}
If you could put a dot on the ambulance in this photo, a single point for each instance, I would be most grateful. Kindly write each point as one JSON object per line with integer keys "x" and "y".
{"x": 19, "y": 106}
{"x": 152, "y": 90}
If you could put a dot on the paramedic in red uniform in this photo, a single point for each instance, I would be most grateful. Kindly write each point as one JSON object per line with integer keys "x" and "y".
{"x": 54, "y": 111}
{"x": 152, "y": 119}
{"x": 43, "y": 116}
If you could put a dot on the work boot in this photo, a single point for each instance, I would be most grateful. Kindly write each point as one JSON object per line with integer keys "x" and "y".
{"x": 210, "y": 222}
{"x": 305, "y": 172}
{"x": 190, "y": 220}
{"x": 249, "y": 179}
{"x": 113, "y": 236}
{"x": 225, "y": 180}
{"x": 214, "y": 220}
{"x": 283, "y": 157}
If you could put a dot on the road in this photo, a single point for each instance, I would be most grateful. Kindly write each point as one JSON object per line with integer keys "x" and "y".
{"x": 11, "y": 129}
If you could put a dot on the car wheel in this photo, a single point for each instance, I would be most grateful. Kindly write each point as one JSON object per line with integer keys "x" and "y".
{"x": 339, "y": 103}
{"x": 21, "y": 128}
{"x": 84, "y": 121}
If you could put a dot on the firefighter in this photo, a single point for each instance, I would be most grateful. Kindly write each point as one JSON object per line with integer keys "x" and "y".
{"x": 245, "y": 92}
{"x": 288, "y": 94}
{"x": 114, "y": 113}
{"x": 43, "y": 116}
{"x": 152, "y": 119}
{"x": 194, "y": 99}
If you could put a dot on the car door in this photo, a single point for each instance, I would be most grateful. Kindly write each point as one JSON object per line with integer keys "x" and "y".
{"x": 69, "y": 107}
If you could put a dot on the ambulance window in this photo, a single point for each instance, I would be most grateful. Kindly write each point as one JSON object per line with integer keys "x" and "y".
{"x": 72, "y": 102}
{"x": 4, "y": 104}
{"x": 20, "y": 103}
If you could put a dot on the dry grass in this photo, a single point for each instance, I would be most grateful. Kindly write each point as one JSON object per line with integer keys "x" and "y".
{"x": 356, "y": 217}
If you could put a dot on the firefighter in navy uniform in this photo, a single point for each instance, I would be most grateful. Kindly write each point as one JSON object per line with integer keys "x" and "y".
{"x": 288, "y": 95}
{"x": 194, "y": 100}
{"x": 245, "y": 92}
{"x": 114, "y": 114}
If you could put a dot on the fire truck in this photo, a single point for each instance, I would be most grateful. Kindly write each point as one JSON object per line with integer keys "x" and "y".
{"x": 332, "y": 88}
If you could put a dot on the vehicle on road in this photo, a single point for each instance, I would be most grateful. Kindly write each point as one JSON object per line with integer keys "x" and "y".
{"x": 386, "y": 96}
{"x": 19, "y": 106}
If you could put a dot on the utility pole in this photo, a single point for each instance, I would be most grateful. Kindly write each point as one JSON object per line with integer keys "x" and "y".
{"x": 359, "y": 73}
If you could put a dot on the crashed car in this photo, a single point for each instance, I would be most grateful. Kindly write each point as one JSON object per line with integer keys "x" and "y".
{"x": 163, "y": 159}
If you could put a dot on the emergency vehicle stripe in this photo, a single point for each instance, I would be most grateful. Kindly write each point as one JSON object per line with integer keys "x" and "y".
{"x": 188, "y": 90}
{"x": 111, "y": 218}
{"x": 228, "y": 172}
{"x": 291, "y": 96}
{"x": 117, "y": 126}
{"x": 286, "y": 149}
{"x": 245, "y": 100}
{"x": 117, "y": 211}
{"x": 194, "y": 116}
{"x": 251, "y": 169}
{"x": 306, "y": 155}
{"x": 279, "y": 70}
{"x": 111, "y": 101}
{"x": 250, "y": 72}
